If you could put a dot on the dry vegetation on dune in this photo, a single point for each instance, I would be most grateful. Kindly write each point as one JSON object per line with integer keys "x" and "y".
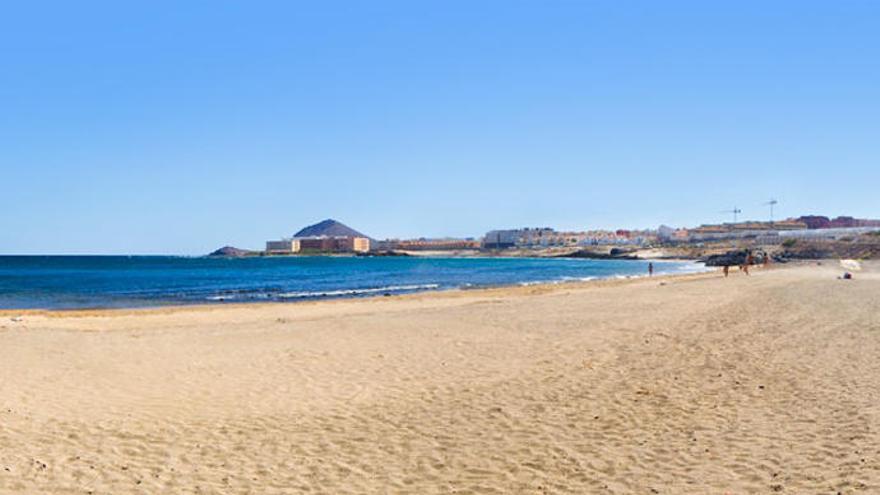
{"x": 699, "y": 384}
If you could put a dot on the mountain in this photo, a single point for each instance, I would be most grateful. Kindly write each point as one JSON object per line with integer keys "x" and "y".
{"x": 231, "y": 252}
{"x": 328, "y": 228}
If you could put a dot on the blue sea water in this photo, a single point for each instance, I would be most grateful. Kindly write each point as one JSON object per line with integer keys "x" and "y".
{"x": 69, "y": 282}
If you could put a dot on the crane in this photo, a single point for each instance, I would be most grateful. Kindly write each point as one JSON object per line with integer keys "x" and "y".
{"x": 736, "y": 211}
{"x": 772, "y": 203}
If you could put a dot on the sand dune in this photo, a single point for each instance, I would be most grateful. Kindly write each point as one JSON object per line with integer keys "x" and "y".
{"x": 697, "y": 384}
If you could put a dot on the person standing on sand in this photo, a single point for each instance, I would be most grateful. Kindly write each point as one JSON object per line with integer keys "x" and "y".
{"x": 749, "y": 260}
{"x": 726, "y": 270}
{"x": 650, "y": 269}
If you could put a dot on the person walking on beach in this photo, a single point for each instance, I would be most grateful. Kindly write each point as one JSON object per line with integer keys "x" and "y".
{"x": 726, "y": 270}
{"x": 749, "y": 260}
{"x": 650, "y": 269}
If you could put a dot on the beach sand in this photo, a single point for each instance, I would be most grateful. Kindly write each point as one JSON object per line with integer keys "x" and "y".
{"x": 694, "y": 384}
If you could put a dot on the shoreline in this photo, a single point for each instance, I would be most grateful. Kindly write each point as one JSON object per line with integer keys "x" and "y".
{"x": 544, "y": 286}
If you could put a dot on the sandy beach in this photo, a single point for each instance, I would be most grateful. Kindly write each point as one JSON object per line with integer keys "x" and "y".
{"x": 691, "y": 384}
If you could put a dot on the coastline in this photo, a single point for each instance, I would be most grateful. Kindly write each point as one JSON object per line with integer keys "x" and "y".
{"x": 521, "y": 288}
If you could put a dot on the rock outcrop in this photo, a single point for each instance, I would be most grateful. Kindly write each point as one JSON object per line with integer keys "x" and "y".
{"x": 586, "y": 253}
{"x": 231, "y": 252}
{"x": 730, "y": 258}
{"x": 737, "y": 257}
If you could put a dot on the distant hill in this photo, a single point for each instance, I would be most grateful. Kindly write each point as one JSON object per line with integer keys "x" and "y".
{"x": 329, "y": 228}
{"x": 231, "y": 252}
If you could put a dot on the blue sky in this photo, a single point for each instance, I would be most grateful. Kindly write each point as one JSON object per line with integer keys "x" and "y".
{"x": 177, "y": 127}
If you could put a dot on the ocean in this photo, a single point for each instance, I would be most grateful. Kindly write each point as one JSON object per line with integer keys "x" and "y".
{"x": 75, "y": 282}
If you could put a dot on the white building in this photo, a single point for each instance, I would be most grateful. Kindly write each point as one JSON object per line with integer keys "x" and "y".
{"x": 526, "y": 238}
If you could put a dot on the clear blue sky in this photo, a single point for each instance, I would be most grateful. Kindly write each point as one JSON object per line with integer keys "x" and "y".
{"x": 177, "y": 127}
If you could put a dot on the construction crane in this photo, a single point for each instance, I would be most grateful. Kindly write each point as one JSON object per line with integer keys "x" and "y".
{"x": 772, "y": 203}
{"x": 736, "y": 211}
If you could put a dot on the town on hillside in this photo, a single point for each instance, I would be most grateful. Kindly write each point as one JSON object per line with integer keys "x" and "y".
{"x": 802, "y": 237}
